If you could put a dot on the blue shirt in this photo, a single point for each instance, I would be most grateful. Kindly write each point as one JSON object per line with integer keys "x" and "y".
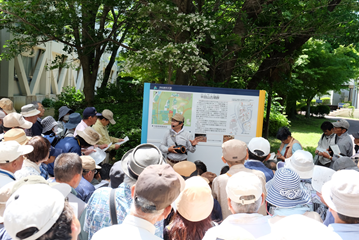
{"x": 84, "y": 190}
{"x": 296, "y": 146}
{"x": 67, "y": 145}
{"x": 4, "y": 235}
{"x": 346, "y": 231}
{"x": 257, "y": 165}
{"x": 98, "y": 210}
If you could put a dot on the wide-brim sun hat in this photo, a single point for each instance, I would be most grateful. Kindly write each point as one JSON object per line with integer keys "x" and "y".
{"x": 137, "y": 159}
{"x": 90, "y": 135}
{"x": 302, "y": 163}
{"x": 285, "y": 190}
{"x": 74, "y": 120}
{"x": 341, "y": 193}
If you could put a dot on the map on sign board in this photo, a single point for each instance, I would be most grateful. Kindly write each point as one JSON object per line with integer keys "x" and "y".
{"x": 240, "y": 121}
{"x": 167, "y": 104}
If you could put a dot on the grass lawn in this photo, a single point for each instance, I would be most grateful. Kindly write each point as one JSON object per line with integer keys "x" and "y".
{"x": 306, "y": 131}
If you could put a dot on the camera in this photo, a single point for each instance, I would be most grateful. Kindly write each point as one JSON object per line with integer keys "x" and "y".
{"x": 180, "y": 149}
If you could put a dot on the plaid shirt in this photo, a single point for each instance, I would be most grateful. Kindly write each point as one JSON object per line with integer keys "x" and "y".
{"x": 98, "y": 210}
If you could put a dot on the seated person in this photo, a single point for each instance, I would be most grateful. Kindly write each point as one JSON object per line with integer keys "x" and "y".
{"x": 289, "y": 144}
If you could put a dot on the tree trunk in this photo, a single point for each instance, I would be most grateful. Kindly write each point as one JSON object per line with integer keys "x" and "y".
{"x": 269, "y": 104}
{"x": 108, "y": 69}
{"x": 307, "y": 114}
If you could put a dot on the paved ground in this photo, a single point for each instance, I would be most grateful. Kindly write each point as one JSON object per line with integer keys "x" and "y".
{"x": 354, "y": 124}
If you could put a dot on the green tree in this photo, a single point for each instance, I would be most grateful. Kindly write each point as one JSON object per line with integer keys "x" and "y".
{"x": 88, "y": 27}
{"x": 320, "y": 68}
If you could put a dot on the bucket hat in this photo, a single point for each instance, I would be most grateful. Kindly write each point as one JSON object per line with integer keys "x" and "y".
{"x": 29, "y": 110}
{"x": 302, "y": 163}
{"x": 90, "y": 135}
{"x": 74, "y": 120}
{"x": 7, "y": 105}
{"x": 137, "y": 159}
{"x": 63, "y": 111}
{"x": 48, "y": 123}
{"x": 341, "y": 193}
{"x": 285, "y": 191}
{"x": 345, "y": 163}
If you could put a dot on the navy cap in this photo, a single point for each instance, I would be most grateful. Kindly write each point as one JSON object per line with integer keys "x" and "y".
{"x": 89, "y": 112}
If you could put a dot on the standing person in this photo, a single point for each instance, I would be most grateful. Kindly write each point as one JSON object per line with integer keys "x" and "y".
{"x": 289, "y": 144}
{"x": 156, "y": 189}
{"x": 245, "y": 196}
{"x": 327, "y": 139}
{"x": 64, "y": 115}
{"x": 30, "y": 113}
{"x": 74, "y": 120}
{"x": 33, "y": 160}
{"x": 7, "y": 106}
{"x": 258, "y": 152}
{"x": 341, "y": 194}
{"x": 101, "y": 126}
{"x": 89, "y": 118}
{"x": 344, "y": 141}
{"x": 234, "y": 153}
{"x": 11, "y": 159}
{"x": 177, "y": 136}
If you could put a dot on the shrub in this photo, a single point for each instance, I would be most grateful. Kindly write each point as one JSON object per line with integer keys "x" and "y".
{"x": 323, "y": 109}
{"x": 276, "y": 118}
{"x": 72, "y": 98}
{"x": 314, "y": 110}
{"x": 47, "y": 102}
{"x": 326, "y": 101}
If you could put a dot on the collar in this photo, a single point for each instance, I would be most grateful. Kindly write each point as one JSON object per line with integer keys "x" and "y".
{"x": 140, "y": 223}
{"x": 246, "y": 218}
{"x": 341, "y": 227}
{"x": 330, "y": 136}
{"x": 235, "y": 168}
{"x": 344, "y": 134}
{"x": 9, "y": 174}
{"x": 176, "y": 132}
{"x": 83, "y": 123}
{"x": 28, "y": 163}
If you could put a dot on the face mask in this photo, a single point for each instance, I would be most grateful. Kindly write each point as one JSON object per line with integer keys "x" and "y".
{"x": 55, "y": 129}
{"x": 66, "y": 118}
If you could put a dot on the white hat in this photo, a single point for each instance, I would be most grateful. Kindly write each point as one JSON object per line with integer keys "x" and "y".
{"x": 29, "y": 110}
{"x": 301, "y": 162}
{"x": 13, "y": 120}
{"x": 299, "y": 227}
{"x": 244, "y": 184}
{"x": 37, "y": 206}
{"x": 259, "y": 146}
{"x": 12, "y": 150}
{"x": 341, "y": 193}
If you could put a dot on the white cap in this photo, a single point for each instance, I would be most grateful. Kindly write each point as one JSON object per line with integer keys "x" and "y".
{"x": 35, "y": 205}
{"x": 244, "y": 184}
{"x": 12, "y": 150}
{"x": 302, "y": 163}
{"x": 259, "y": 144}
{"x": 341, "y": 193}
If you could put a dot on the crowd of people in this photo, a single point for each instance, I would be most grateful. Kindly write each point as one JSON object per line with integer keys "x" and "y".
{"x": 52, "y": 188}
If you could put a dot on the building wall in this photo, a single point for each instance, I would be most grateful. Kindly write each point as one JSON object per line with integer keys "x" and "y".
{"x": 27, "y": 78}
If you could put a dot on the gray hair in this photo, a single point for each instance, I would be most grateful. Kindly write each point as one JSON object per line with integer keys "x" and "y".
{"x": 67, "y": 166}
{"x": 145, "y": 208}
{"x": 129, "y": 181}
{"x": 36, "y": 104}
{"x": 247, "y": 208}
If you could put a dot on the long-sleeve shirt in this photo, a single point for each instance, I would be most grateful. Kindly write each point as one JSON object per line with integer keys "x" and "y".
{"x": 105, "y": 137}
{"x": 325, "y": 142}
{"x": 345, "y": 145}
{"x": 181, "y": 138}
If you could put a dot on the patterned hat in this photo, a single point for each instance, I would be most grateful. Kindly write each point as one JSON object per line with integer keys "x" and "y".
{"x": 48, "y": 123}
{"x": 285, "y": 191}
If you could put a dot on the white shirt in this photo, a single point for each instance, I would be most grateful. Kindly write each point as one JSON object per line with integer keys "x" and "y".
{"x": 133, "y": 228}
{"x": 80, "y": 127}
{"x": 240, "y": 225}
{"x": 5, "y": 177}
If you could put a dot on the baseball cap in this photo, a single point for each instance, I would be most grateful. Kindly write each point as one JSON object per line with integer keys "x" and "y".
{"x": 7, "y": 105}
{"x": 88, "y": 163}
{"x": 16, "y": 134}
{"x": 341, "y": 193}
{"x": 159, "y": 184}
{"x": 89, "y": 112}
{"x": 195, "y": 202}
{"x": 12, "y": 150}
{"x": 108, "y": 115}
{"x": 117, "y": 175}
{"x": 302, "y": 163}
{"x": 234, "y": 150}
{"x": 356, "y": 134}
{"x": 178, "y": 117}
{"x": 341, "y": 123}
{"x": 13, "y": 120}
{"x": 244, "y": 184}
{"x": 186, "y": 169}
{"x": 29, "y": 110}
{"x": 35, "y": 206}
{"x": 259, "y": 146}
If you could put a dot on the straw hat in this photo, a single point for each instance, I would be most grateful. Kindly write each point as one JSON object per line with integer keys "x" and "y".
{"x": 17, "y": 135}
